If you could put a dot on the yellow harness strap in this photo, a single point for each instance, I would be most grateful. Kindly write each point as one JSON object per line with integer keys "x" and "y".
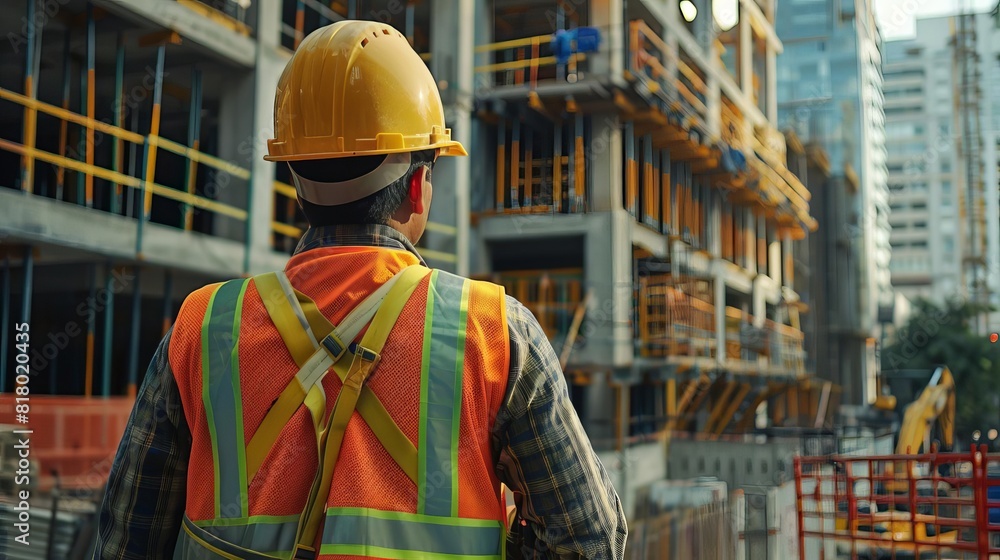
{"x": 302, "y": 346}
{"x": 365, "y": 360}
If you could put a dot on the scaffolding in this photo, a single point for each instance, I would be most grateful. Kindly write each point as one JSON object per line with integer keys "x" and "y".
{"x": 972, "y": 207}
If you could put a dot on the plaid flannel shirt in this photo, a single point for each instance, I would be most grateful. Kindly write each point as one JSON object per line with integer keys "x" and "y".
{"x": 567, "y": 505}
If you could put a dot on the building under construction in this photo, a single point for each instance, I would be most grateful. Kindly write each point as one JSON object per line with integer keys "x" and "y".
{"x": 626, "y": 182}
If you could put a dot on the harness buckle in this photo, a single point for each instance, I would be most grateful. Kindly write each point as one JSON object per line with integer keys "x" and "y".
{"x": 304, "y": 553}
{"x": 334, "y": 346}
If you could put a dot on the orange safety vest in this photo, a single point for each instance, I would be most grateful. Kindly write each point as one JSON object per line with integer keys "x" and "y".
{"x": 389, "y": 457}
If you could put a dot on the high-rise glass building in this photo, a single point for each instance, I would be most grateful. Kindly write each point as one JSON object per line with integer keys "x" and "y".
{"x": 830, "y": 94}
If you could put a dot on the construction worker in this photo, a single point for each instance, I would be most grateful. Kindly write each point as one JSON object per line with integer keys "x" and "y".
{"x": 357, "y": 404}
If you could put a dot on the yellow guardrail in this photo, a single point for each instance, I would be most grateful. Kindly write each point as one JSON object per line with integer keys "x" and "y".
{"x": 640, "y": 33}
{"x": 200, "y": 157}
{"x": 70, "y": 116}
{"x": 128, "y": 136}
{"x": 514, "y": 43}
{"x": 527, "y": 52}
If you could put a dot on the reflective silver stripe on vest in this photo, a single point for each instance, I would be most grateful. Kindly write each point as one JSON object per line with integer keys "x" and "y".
{"x": 223, "y": 399}
{"x": 261, "y": 533}
{"x": 196, "y": 543}
{"x": 385, "y": 534}
{"x": 441, "y": 394}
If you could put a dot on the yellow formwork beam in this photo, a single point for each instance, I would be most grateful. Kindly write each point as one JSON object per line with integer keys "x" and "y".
{"x": 690, "y": 389}
{"x": 734, "y": 405}
{"x": 720, "y": 404}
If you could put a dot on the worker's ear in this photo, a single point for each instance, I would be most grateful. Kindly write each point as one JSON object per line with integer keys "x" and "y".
{"x": 418, "y": 183}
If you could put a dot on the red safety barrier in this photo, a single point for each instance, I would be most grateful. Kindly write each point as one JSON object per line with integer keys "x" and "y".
{"x": 932, "y": 505}
{"x": 73, "y": 438}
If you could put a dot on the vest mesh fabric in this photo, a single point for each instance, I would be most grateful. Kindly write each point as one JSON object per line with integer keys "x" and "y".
{"x": 365, "y": 476}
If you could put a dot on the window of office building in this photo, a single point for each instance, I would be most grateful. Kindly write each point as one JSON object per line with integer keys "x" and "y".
{"x": 948, "y": 244}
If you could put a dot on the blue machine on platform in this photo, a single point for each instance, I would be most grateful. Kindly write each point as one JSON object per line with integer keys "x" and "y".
{"x": 587, "y": 39}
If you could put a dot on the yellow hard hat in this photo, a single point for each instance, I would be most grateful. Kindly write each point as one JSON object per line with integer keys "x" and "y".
{"x": 357, "y": 88}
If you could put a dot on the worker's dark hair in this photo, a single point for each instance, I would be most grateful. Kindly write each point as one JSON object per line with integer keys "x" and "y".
{"x": 375, "y": 208}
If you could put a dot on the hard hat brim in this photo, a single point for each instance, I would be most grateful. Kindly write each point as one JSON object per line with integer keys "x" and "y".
{"x": 447, "y": 148}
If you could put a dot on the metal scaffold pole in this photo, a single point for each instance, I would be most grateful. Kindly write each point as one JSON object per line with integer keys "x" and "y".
{"x": 90, "y": 102}
{"x": 4, "y": 326}
{"x": 88, "y": 388}
{"x": 133, "y": 350}
{"x": 109, "y": 315}
{"x": 118, "y": 148}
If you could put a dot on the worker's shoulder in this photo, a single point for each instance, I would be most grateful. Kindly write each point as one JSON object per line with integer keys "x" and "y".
{"x": 196, "y": 303}
{"x": 484, "y": 290}
{"x": 485, "y": 286}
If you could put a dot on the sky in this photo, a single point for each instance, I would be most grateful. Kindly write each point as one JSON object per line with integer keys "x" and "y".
{"x": 896, "y": 17}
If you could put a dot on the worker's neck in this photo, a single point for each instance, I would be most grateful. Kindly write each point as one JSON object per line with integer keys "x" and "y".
{"x": 409, "y": 229}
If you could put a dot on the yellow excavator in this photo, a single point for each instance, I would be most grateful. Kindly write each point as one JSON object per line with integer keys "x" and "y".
{"x": 902, "y": 532}
{"x": 934, "y": 406}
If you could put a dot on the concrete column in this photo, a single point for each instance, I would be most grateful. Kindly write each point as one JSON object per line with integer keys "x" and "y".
{"x": 746, "y": 57}
{"x": 598, "y": 410}
{"x": 751, "y": 240}
{"x": 608, "y": 16}
{"x": 714, "y": 225}
{"x": 758, "y": 306}
{"x": 236, "y": 118}
{"x": 719, "y": 286}
{"x": 774, "y": 260}
{"x": 608, "y": 272}
{"x": 452, "y": 45}
{"x": 605, "y": 155}
{"x": 713, "y": 100}
{"x": 771, "y": 63}
{"x": 271, "y": 58}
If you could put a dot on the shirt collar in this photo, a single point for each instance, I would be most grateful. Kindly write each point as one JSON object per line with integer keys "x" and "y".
{"x": 354, "y": 235}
